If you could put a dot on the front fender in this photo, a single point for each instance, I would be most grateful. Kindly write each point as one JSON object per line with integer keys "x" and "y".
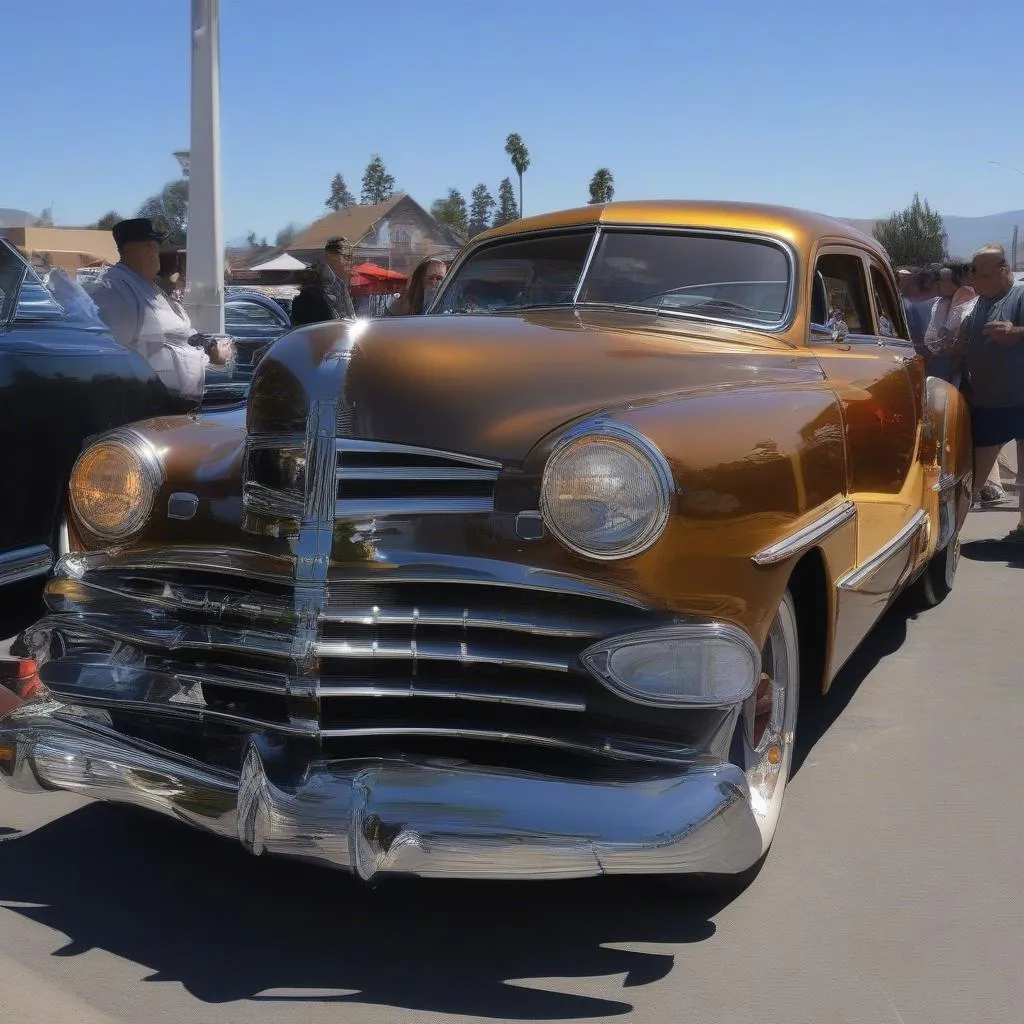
{"x": 750, "y": 465}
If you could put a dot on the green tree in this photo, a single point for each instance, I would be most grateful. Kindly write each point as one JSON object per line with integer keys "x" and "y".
{"x": 507, "y": 209}
{"x": 602, "y": 186}
{"x": 108, "y": 220}
{"x": 451, "y": 211}
{"x": 340, "y": 197}
{"x": 913, "y": 237}
{"x": 378, "y": 185}
{"x": 168, "y": 211}
{"x": 481, "y": 205}
{"x": 287, "y": 234}
{"x": 520, "y": 157}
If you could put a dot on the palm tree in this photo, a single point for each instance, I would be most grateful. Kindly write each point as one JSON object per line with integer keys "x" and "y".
{"x": 520, "y": 157}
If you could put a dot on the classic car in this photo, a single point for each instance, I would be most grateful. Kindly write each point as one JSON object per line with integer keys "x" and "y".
{"x": 254, "y": 321}
{"x": 63, "y": 379}
{"x": 528, "y": 587}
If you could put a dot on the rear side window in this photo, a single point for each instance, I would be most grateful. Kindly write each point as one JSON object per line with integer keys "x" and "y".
{"x": 889, "y": 319}
{"x": 846, "y": 292}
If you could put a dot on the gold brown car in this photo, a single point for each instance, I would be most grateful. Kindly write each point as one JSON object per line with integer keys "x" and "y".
{"x": 528, "y": 587}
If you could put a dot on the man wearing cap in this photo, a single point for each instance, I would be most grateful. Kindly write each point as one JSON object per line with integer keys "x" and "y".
{"x": 141, "y": 316}
{"x": 325, "y": 294}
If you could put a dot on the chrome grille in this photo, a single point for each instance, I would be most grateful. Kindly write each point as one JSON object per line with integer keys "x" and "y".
{"x": 381, "y": 662}
{"x": 377, "y": 478}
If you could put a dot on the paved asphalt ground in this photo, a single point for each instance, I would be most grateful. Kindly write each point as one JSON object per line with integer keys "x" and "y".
{"x": 892, "y": 894}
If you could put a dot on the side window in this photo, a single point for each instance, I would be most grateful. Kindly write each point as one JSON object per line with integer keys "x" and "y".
{"x": 889, "y": 319}
{"x": 846, "y": 294}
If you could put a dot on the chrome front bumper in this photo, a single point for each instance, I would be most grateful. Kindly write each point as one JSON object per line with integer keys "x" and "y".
{"x": 430, "y": 819}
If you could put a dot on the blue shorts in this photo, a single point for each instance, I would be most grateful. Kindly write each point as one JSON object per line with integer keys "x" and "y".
{"x": 992, "y": 427}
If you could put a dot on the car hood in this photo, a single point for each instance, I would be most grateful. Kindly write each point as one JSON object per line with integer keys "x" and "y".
{"x": 495, "y": 385}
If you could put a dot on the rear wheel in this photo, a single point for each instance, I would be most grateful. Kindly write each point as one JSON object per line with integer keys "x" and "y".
{"x": 934, "y": 584}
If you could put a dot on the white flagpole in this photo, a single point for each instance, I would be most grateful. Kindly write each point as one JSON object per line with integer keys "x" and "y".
{"x": 204, "y": 272}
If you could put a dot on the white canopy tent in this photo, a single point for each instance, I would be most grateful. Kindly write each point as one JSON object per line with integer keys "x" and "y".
{"x": 282, "y": 262}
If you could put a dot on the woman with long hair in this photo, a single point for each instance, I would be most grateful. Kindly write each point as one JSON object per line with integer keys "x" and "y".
{"x": 418, "y": 293}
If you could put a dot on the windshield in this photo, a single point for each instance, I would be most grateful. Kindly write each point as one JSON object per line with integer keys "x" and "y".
{"x": 733, "y": 278}
{"x": 30, "y": 295}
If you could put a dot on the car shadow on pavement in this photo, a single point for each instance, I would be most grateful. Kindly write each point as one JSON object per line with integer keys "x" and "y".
{"x": 818, "y": 712}
{"x": 1011, "y": 554}
{"x": 199, "y": 911}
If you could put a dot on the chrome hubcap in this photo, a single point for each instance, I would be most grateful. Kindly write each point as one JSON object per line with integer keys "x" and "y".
{"x": 769, "y": 721}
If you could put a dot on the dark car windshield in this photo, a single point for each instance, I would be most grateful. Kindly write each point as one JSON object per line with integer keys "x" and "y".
{"x": 734, "y": 278}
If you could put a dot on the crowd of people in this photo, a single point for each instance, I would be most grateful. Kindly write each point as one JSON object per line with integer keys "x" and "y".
{"x": 966, "y": 319}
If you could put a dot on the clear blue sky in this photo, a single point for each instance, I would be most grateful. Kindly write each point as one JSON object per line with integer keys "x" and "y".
{"x": 847, "y": 108}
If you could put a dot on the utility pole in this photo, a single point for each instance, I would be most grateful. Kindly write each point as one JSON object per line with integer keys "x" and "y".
{"x": 204, "y": 271}
{"x": 1013, "y": 258}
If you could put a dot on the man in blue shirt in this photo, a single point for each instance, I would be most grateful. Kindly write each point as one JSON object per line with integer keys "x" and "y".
{"x": 992, "y": 345}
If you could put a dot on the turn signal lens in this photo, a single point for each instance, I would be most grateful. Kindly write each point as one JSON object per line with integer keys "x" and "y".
{"x": 113, "y": 485}
{"x": 678, "y": 666}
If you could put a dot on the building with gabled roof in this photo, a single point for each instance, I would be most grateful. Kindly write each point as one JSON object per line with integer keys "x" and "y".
{"x": 395, "y": 234}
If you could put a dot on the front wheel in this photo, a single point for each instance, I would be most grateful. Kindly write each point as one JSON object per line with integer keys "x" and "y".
{"x": 765, "y": 738}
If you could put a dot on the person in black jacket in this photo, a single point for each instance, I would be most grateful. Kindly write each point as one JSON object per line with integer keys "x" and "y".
{"x": 324, "y": 294}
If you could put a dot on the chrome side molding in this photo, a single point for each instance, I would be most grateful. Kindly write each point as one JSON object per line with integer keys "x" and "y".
{"x": 800, "y": 540}
{"x": 858, "y": 577}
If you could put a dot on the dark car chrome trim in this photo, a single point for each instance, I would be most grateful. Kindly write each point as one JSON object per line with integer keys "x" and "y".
{"x": 352, "y": 444}
{"x": 859, "y": 576}
{"x": 805, "y": 537}
{"x": 348, "y": 508}
{"x": 25, "y": 563}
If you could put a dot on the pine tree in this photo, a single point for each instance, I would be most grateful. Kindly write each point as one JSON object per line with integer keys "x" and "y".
{"x": 602, "y": 186}
{"x": 451, "y": 211}
{"x": 340, "y": 197}
{"x": 913, "y": 237}
{"x": 481, "y": 205}
{"x": 378, "y": 185}
{"x": 507, "y": 209}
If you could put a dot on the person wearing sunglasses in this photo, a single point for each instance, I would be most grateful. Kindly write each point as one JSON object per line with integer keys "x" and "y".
{"x": 419, "y": 293}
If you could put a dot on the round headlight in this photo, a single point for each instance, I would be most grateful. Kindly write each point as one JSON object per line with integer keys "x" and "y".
{"x": 606, "y": 494}
{"x": 113, "y": 485}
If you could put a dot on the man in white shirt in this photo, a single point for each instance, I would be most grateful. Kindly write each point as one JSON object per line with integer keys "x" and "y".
{"x": 141, "y": 316}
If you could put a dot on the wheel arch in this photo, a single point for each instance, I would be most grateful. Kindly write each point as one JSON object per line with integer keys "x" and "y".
{"x": 813, "y": 598}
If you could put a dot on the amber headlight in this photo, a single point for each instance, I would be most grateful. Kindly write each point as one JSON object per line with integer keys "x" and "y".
{"x": 606, "y": 492}
{"x": 113, "y": 484}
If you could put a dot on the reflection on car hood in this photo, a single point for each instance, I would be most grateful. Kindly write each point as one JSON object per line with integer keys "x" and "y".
{"x": 494, "y": 385}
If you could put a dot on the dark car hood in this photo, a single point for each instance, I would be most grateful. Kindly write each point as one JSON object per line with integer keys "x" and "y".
{"x": 494, "y": 385}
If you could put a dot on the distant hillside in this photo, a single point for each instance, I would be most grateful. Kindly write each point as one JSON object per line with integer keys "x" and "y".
{"x": 969, "y": 233}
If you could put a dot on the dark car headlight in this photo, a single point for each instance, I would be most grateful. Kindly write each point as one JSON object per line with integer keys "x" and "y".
{"x": 606, "y": 491}
{"x": 114, "y": 483}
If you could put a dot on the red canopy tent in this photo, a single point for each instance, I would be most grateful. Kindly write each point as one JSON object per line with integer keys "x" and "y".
{"x": 369, "y": 279}
{"x": 372, "y": 271}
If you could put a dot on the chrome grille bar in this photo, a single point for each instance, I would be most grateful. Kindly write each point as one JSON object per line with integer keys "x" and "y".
{"x": 379, "y": 478}
{"x": 434, "y": 650}
{"x": 362, "y": 446}
{"x": 549, "y": 624}
{"x": 441, "y": 691}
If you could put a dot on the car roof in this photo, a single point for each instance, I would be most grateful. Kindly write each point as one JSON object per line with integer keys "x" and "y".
{"x": 798, "y": 227}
